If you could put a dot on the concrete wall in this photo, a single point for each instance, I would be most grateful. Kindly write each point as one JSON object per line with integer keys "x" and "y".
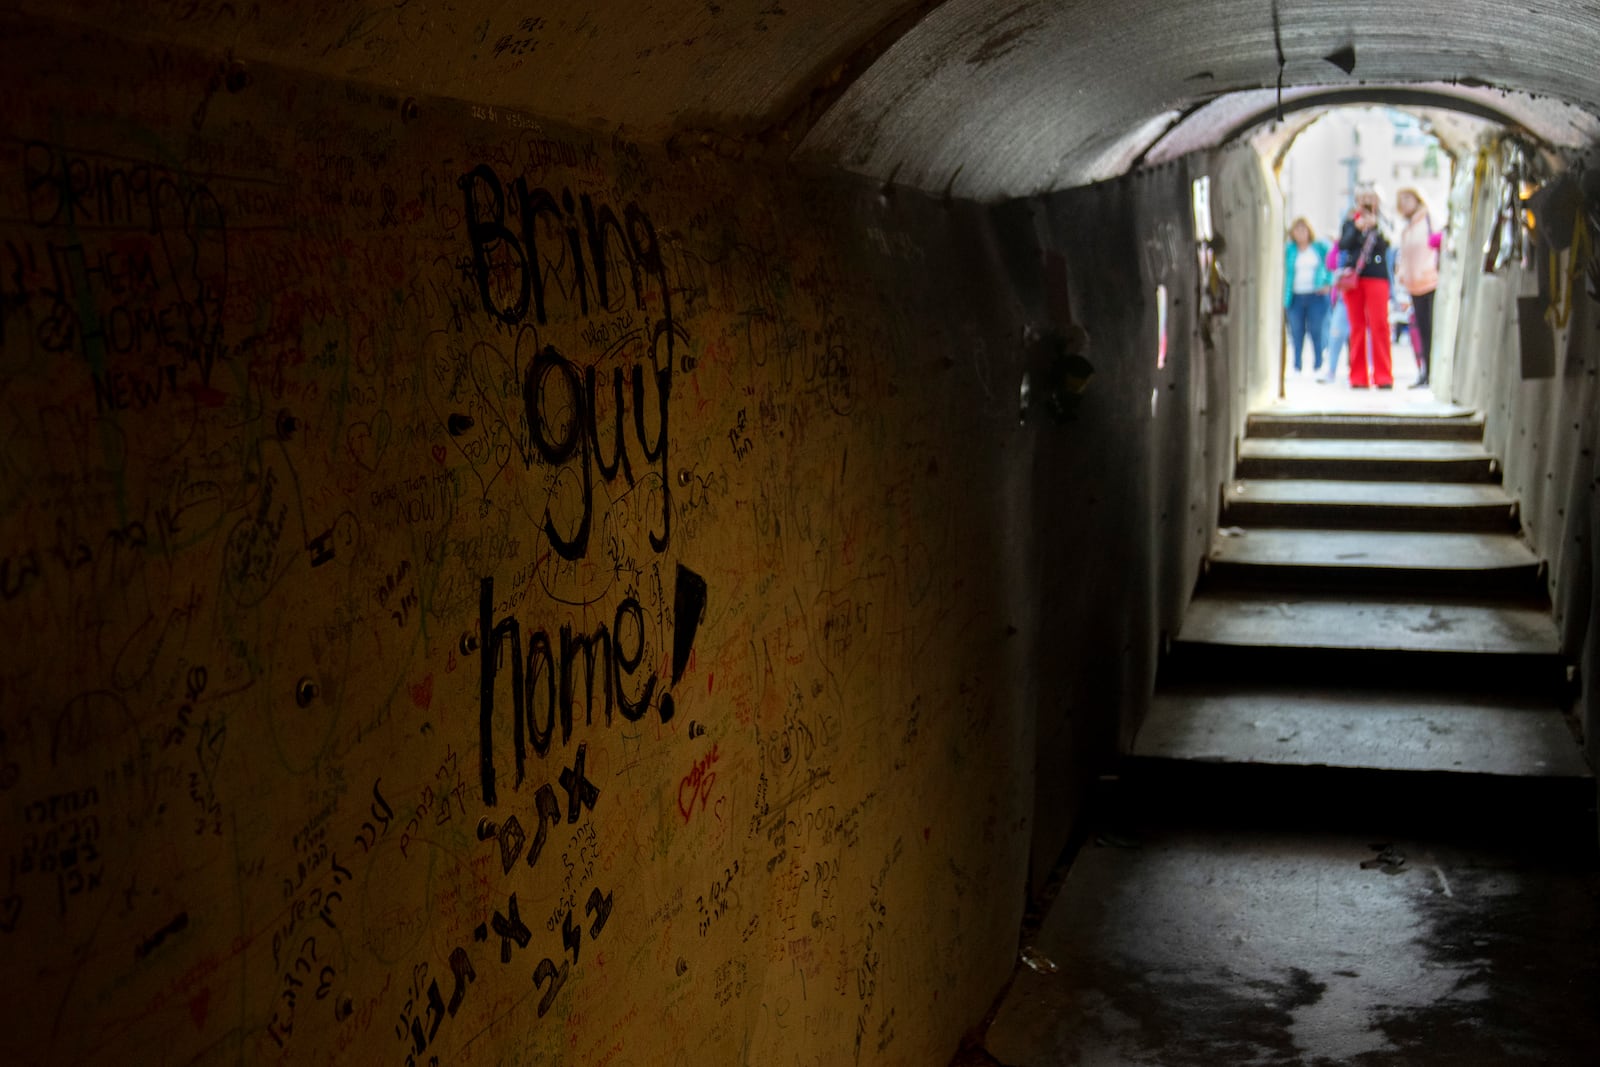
{"x": 1544, "y": 427}
{"x": 1111, "y": 468}
{"x": 483, "y": 591}
{"x": 478, "y": 591}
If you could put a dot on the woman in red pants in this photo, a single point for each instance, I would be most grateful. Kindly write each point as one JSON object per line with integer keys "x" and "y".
{"x": 1365, "y": 255}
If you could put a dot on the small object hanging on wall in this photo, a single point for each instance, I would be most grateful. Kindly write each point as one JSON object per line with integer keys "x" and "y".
{"x": 1060, "y": 373}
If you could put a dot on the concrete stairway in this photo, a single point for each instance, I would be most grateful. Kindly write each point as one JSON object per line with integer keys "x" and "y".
{"x": 1367, "y": 604}
{"x": 1355, "y": 827}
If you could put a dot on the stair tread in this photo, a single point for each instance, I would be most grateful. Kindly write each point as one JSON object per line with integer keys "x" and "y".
{"x": 1400, "y": 731}
{"x": 1405, "y": 417}
{"x": 1465, "y": 426}
{"x": 1442, "y": 495}
{"x": 1309, "y": 621}
{"x": 1329, "y": 448}
{"x": 1410, "y": 413}
{"x": 1389, "y": 549}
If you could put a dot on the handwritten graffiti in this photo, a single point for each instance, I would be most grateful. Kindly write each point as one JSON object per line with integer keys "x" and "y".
{"x": 539, "y": 660}
{"x": 378, "y": 825}
{"x": 397, "y": 594}
{"x": 422, "y": 1026}
{"x": 513, "y": 931}
{"x": 509, "y": 268}
{"x": 563, "y": 423}
{"x": 603, "y": 655}
{"x": 433, "y": 805}
{"x": 52, "y": 808}
{"x": 158, "y": 288}
{"x": 592, "y": 260}
{"x": 739, "y": 438}
{"x": 723, "y": 898}
{"x": 695, "y": 787}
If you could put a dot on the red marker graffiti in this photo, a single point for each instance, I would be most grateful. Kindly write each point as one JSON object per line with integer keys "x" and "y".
{"x": 695, "y": 787}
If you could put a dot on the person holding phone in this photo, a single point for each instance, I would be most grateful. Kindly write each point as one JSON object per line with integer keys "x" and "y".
{"x": 1364, "y": 279}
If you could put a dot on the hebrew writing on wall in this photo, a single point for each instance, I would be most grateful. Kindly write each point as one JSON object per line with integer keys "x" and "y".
{"x": 479, "y": 592}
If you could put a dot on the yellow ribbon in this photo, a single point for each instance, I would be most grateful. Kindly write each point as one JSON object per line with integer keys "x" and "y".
{"x": 1578, "y": 263}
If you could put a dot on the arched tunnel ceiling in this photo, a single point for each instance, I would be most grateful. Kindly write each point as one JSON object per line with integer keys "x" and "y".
{"x": 973, "y": 97}
{"x": 1558, "y": 124}
{"x": 1040, "y": 94}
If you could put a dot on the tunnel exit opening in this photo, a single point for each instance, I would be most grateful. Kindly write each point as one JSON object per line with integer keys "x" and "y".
{"x": 1391, "y": 276}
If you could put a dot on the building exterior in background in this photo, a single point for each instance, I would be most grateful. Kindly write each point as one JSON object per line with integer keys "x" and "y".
{"x": 1351, "y": 148}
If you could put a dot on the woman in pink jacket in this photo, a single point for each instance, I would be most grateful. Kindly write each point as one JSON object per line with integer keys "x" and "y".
{"x": 1417, "y": 271}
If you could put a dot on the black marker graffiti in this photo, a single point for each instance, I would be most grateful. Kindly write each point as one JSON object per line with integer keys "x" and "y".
{"x": 513, "y": 277}
{"x": 147, "y": 946}
{"x": 688, "y": 609}
{"x": 497, "y": 253}
{"x": 538, "y": 660}
{"x": 563, "y": 423}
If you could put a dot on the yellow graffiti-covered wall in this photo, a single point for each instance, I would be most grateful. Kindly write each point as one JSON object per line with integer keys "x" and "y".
{"x": 476, "y": 591}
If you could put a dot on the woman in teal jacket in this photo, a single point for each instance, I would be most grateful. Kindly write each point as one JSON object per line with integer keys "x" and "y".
{"x": 1306, "y": 283}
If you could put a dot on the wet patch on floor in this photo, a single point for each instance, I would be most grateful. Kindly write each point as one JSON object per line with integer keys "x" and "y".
{"x": 1206, "y": 948}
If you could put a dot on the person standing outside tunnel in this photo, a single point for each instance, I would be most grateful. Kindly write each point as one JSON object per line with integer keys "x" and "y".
{"x": 1364, "y": 277}
{"x": 1417, "y": 271}
{"x": 1306, "y": 281}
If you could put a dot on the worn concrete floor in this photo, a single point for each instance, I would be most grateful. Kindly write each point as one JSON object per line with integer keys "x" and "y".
{"x": 1179, "y": 945}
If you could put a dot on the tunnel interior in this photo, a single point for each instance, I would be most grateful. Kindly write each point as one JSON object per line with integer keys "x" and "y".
{"x": 670, "y": 508}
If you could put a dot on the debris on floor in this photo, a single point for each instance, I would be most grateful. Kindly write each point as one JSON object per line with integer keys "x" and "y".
{"x": 1388, "y": 860}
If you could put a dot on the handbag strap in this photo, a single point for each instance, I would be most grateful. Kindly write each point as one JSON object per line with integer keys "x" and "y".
{"x": 1366, "y": 249}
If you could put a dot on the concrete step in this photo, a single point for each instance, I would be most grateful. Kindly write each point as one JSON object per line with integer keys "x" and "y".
{"x": 1334, "y": 621}
{"x": 1422, "y": 427}
{"x": 1378, "y": 560}
{"x": 1331, "y": 504}
{"x": 1357, "y": 460}
{"x": 1470, "y": 733}
{"x": 1372, "y": 641}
